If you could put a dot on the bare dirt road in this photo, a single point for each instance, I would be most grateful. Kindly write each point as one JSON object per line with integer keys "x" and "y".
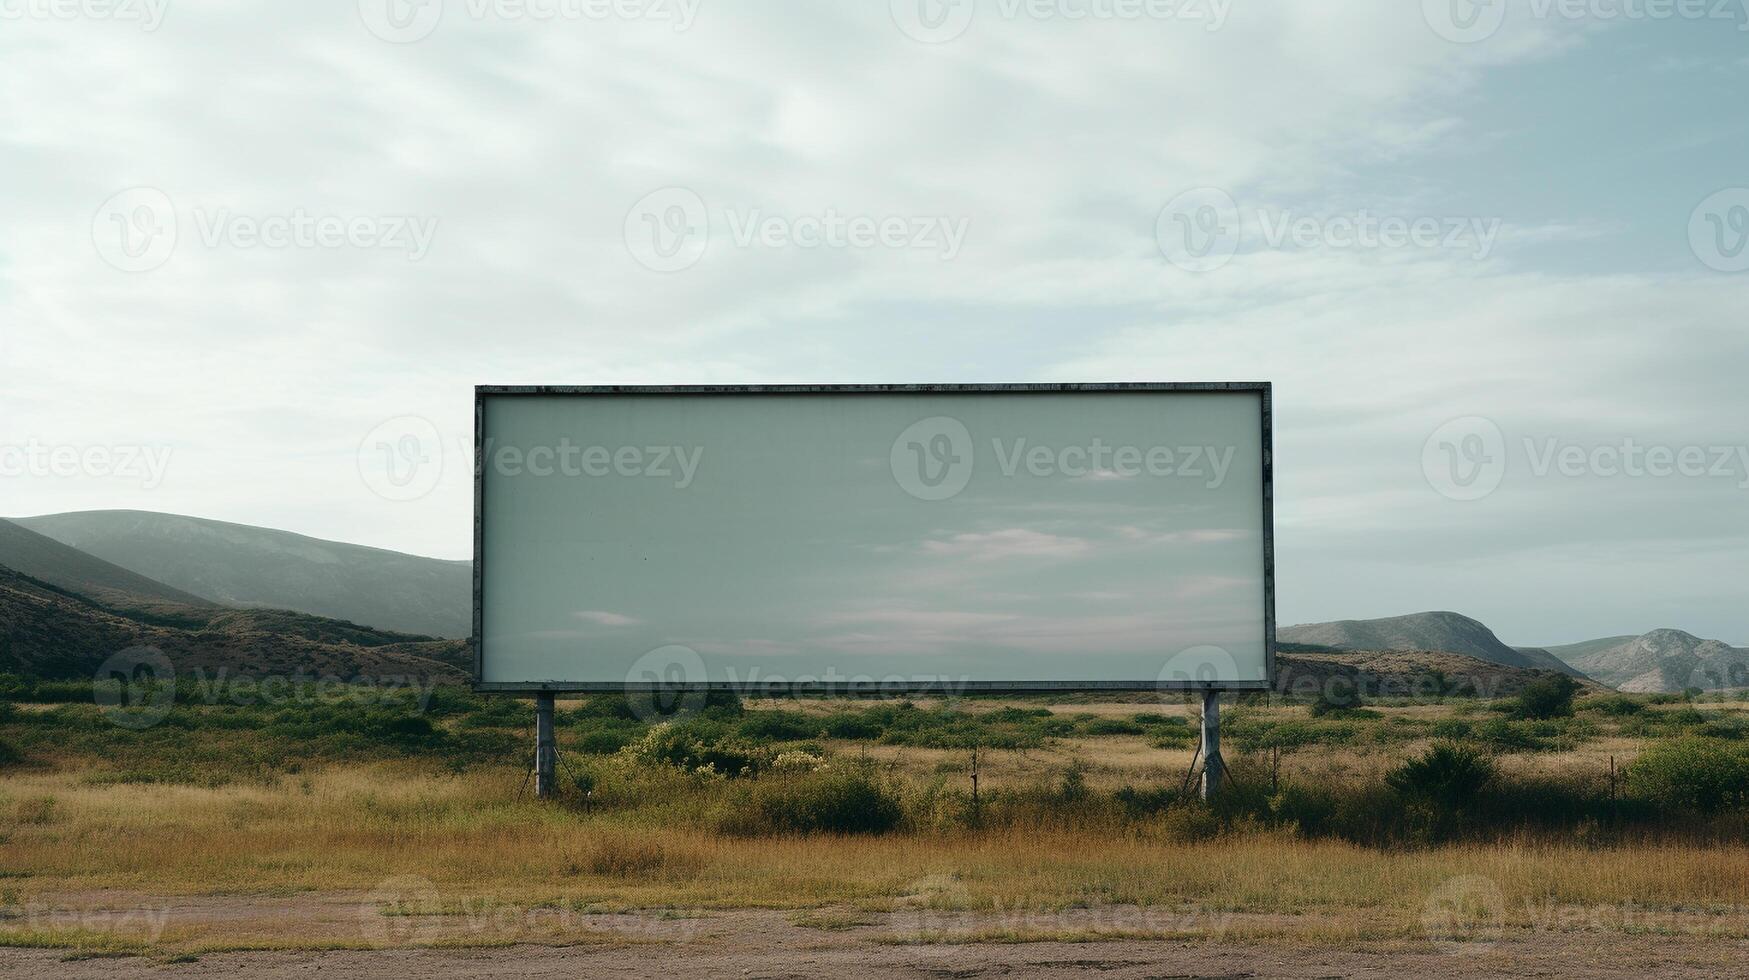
{"x": 777, "y": 944}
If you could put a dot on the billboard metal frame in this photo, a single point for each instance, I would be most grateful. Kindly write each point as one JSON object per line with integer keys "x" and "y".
{"x": 1262, "y": 389}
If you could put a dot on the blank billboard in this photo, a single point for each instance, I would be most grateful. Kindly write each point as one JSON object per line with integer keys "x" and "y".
{"x": 883, "y": 538}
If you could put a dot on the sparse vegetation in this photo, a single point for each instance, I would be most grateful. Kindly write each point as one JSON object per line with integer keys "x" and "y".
{"x": 1073, "y": 799}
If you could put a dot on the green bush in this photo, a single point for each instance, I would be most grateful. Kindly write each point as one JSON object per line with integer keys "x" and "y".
{"x": 1509, "y": 736}
{"x": 851, "y": 727}
{"x": 1549, "y": 697}
{"x": 604, "y": 741}
{"x": 777, "y": 726}
{"x": 838, "y": 800}
{"x": 1307, "y": 808}
{"x": 1331, "y": 701}
{"x": 1692, "y": 773}
{"x": 1615, "y": 705}
{"x": 1452, "y": 730}
{"x": 1143, "y": 802}
{"x": 698, "y": 745}
{"x": 1113, "y": 726}
{"x": 1448, "y": 775}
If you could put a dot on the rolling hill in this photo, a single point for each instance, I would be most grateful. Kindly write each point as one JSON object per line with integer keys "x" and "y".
{"x": 49, "y": 561}
{"x": 1396, "y": 673}
{"x": 49, "y": 631}
{"x": 1662, "y": 661}
{"x": 240, "y": 565}
{"x": 1440, "y": 632}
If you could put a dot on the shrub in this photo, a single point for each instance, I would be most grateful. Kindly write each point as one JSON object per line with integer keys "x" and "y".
{"x": 1550, "y": 697}
{"x": 1191, "y": 821}
{"x": 1072, "y": 787}
{"x": 1113, "y": 726}
{"x": 697, "y": 747}
{"x": 604, "y": 741}
{"x": 1305, "y": 807}
{"x": 9, "y": 754}
{"x": 1452, "y": 729}
{"x": 1508, "y": 736}
{"x": 852, "y": 727}
{"x": 1615, "y": 705}
{"x": 842, "y": 800}
{"x": 1692, "y": 774}
{"x": 1142, "y": 802}
{"x": 777, "y": 726}
{"x": 1331, "y": 701}
{"x": 1448, "y": 775}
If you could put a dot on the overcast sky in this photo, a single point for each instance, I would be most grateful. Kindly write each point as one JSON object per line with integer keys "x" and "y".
{"x": 263, "y": 251}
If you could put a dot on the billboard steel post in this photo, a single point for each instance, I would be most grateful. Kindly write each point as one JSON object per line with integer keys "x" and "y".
{"x": 1213, "y": 767}
{"x": 546, "y": 753}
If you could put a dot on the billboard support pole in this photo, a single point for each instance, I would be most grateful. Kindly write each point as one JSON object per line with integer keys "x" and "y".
{"x": 546, "y": 753}
{"x": 1213, "y": 767}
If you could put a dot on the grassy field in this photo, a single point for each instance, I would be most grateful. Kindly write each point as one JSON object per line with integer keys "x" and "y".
{"x": 360, "y": 819}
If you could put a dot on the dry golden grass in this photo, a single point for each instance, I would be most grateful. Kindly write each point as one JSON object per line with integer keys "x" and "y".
{"x": 350, "y": 830}
{"x": 363, "y": 855}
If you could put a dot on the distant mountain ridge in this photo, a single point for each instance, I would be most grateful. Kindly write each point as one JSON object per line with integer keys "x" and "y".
{"x": 242, "y": 565}
{"x": 1441, "y": 632}
{"x": 1662, "y": 661}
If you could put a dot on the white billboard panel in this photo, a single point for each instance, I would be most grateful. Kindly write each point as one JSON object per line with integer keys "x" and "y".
{"x": 893, "y": 538}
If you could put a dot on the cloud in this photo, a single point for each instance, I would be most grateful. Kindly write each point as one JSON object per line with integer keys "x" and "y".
{"x": 1005, "y": 544}
{"x": 601, "y": 618}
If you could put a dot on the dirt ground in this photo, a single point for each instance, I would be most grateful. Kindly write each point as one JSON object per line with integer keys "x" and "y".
{"x": 811, "y": 944}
